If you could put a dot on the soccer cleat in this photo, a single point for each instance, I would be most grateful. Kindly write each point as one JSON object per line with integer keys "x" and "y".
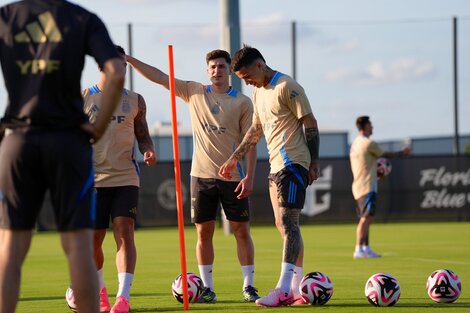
{"x": 371, "y": 254}
{"x": 299, "y": 300}
{"x": 207, "y": 296}
{"x": 104, "y": 301}
{"x": 276, "y": 297}
{"x": 359, "y": 255}
{"x": 250, "y": 294}
{"x": 121, "y": 306}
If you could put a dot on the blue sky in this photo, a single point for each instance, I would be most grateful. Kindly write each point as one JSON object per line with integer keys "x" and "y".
{"x": 390, "y": 59}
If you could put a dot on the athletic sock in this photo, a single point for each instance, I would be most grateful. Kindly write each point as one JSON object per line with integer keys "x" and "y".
{"x": 206, "y": 275}
{"x": 125, "y": 283}
{"x": 359, "y": 248}
{"x": 248, "y": 272}
{"x": 285, "y": 280}
{"x": 298, "y": 275}
{"x": 101, "y": 282}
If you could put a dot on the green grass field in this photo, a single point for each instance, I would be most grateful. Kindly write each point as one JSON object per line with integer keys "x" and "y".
{"x": 411, "y": 252}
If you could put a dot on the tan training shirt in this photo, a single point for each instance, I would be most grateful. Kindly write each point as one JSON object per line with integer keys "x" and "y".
{"x": 278, "y": 107}
{"x": 219, "y": 122}
{"x": 363, "y": 156}
{"x": 114, "y": 160}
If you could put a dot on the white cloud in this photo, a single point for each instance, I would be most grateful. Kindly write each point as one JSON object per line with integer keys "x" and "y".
{"x": 336, "y": 45}
{"x": 272, "y": 28}
{"x": 348, "y": 46}
{"x": 378, "y": 73}
{"x": 338, "y": 74}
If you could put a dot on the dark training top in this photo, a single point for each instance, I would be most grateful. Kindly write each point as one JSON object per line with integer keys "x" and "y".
{"x": 43, "y": 44}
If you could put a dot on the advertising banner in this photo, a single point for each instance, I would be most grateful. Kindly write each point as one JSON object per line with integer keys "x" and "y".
{"x": 418, "y": 189}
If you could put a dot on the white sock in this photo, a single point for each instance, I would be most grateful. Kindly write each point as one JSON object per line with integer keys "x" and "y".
{"x": 248, "y": 272}
{"x": 359, "y": 248}
{"x": 125, "y": 283}
{"x": 206, "y": 275}
{"x": 298, "y": 275}
{"x": 101, "y": 282}
{"x": 365, "y": 248}
{"x": 285, "y": 280}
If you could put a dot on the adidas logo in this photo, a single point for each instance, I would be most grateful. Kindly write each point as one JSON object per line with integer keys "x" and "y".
{"x": 293, "y": 94}
{"x": 45, "y": 29}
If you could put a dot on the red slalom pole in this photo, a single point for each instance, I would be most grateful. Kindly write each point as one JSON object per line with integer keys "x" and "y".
{"x": 176, "y": 160}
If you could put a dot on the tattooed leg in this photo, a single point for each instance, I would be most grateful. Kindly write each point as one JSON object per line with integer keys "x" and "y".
{"x": 293, "y": 243}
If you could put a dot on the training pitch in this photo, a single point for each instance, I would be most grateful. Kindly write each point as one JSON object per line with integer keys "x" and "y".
{"x": 411, "y": 251}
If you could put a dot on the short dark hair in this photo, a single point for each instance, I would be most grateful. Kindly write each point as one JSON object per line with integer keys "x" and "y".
{"x": 245, "y": 57}
{"x": 362, "y": 121}
{"x": 120, "y": 49}
{"x": 216, "y": 54}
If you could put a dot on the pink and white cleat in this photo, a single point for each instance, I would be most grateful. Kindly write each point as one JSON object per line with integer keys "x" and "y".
{"x": 104, "y": 301}
{"x": 299, "y": 300}
{"x": 121, "y": 306}
{"x": 276, "y": 297}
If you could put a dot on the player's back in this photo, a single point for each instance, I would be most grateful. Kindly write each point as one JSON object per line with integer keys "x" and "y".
{"x": 43, "y": 44}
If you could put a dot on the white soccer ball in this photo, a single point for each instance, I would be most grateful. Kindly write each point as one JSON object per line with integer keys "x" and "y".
{"x": 316, "y": 288}
{"x": 443, "y": 286}
{"x": 195, "y": 287}
{"x": 384, "y": 167}
{"x": 70, "y": 299}
{"x": 382, "y": 289}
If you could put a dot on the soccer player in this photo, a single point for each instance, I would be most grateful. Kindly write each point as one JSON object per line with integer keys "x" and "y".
{"x": 281, "y": 111}
{"x": 363, "y": 155}
{"x": 47, "y": 141}
{"x": 117, "y": 183}
{"x": 220, "y": 115}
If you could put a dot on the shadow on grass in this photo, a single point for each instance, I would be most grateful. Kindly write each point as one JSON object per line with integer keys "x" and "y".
{"x": 25, "y": 299}
{"x": 63, "y": 297}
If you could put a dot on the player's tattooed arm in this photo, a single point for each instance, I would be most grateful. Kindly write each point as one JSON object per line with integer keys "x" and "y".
{"x": 251, "y": 138}
{"x": 141, "y": 129}
{"x": 249, "y": 142}
{"x": 293, "y": 239}
{"x": 312, "y": 138}
{"x": 313, "y": 142}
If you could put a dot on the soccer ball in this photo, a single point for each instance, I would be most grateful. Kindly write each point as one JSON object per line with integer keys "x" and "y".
{"x": 195, "y": 287}
{"x": 443, "y": 286}
{"x": 316, "y": 288}
{"x": 70, "y": 299}
{"x": 382, "y": 289}
{"x": 384, "y": 167}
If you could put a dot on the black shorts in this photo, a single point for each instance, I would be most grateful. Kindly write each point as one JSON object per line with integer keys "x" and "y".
{"x": 291, "y": 183}
{"x": 206, "y": 193}
{"x": 115, "y": 201}
{"x": 365, "y": 206}
{"x": 35, "y": 160}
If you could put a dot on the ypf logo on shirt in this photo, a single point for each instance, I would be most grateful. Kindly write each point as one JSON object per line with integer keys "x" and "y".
{"x": 41, "y": 31}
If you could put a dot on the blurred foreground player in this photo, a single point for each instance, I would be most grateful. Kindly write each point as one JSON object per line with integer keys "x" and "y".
{"x": 47, "y": 143}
